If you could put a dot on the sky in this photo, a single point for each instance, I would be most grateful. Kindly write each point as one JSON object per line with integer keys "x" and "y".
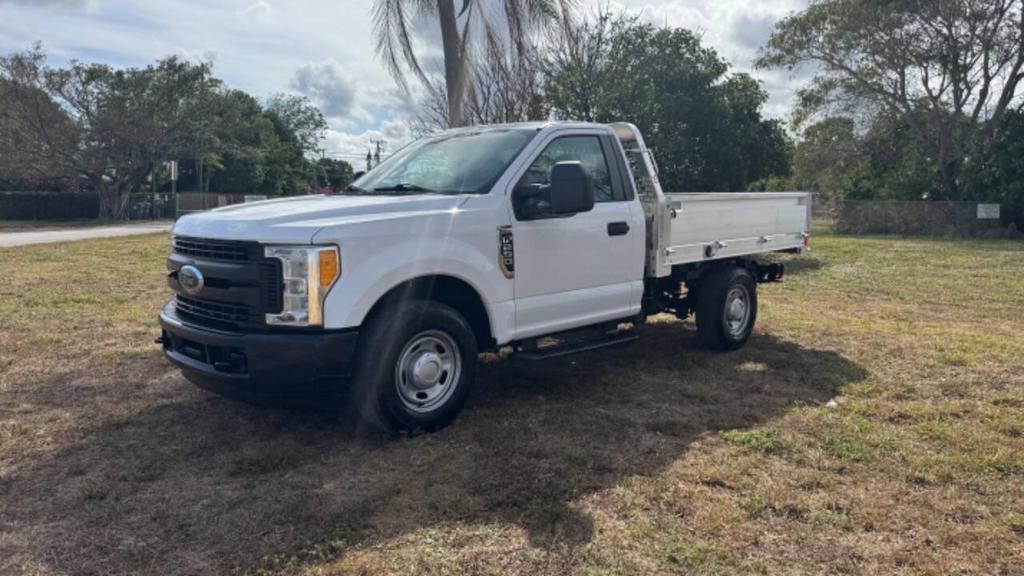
{"x": 324, "y": 49}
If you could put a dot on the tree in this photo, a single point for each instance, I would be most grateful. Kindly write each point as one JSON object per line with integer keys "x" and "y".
{"x": 575, "y": 62}
{"x": 829, "y": 158}
{"x": 298, "y": 129}
{"x": 392, "y": 21}
{"x": 298, "y": 120}
{"x": 265, "y": 147}
{"x": 25, "y": 159}
{"x": 334, "y": 174}
{"x": 945, "y": 69}
{"x": 90, "y": 126}
{"x": 108, "y": 127}
{"x": 239, "y": 151}
{"x": 703, "y": 123}
{"x": 1000, "y": 176}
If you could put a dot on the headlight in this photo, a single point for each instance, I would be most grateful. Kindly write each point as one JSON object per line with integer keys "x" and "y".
{"x": 308, "y": 273}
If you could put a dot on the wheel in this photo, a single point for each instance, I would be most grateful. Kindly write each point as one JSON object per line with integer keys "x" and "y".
{"x": 726, "y": 308}
{"x": 415, "y": 366}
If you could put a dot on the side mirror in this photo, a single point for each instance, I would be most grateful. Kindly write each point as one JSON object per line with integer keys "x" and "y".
{"x": 570, "y": 191}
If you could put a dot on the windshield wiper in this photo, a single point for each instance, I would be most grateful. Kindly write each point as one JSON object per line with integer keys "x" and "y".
{"x": 352, "y": 188}
{"x": 403, "y": 187}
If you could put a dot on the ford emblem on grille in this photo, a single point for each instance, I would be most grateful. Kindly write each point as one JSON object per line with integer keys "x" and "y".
{"x": 191, "y": 279}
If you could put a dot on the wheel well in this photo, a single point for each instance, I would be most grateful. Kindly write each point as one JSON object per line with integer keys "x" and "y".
{"x": 668, "y": 294}
{"x": 447, "y": 290}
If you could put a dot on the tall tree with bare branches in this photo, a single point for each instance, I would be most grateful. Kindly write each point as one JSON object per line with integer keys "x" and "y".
{"x": 510, "y": 22}
{"x": 947, "y": 69}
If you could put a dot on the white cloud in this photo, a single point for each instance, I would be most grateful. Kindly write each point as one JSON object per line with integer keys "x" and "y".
{"x": 259, "y": 8}
{"x": 327, "y": 86}
{"x": 395, "y": 131}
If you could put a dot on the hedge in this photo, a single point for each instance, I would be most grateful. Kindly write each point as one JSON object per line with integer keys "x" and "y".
{"x": 49, "y": 205}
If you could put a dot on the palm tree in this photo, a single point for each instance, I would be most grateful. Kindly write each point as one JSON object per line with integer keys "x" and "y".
{"x": 392, "y": 20}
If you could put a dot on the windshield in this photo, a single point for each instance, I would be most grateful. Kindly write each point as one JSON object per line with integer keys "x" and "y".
{"x": 460, "y": 163}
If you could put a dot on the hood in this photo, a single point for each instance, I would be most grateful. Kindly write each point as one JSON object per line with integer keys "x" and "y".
{"x": 296, "y": 220}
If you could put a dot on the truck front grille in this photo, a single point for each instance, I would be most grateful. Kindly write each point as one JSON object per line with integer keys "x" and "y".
{"x": 241, "y": 287}
{"x": 204, "y": 310}
{"x": 228, "y": 250}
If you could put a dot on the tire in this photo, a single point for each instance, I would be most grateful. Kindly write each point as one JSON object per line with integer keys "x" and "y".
{"x": 414, "y": 367}
{"x": 726, "y": 308}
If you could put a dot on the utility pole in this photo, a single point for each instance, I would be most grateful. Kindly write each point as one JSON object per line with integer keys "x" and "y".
{"x": 376, "y": 155}
{"x": 174, "y": 186}
{"x": 369, "y": 160}
{"x": 199, "y": 178}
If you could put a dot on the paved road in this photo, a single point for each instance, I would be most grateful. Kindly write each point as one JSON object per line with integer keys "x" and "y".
{"x": 9, "y": 239}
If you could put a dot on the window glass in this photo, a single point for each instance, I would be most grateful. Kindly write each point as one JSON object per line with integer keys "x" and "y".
{"x": 586, "y": 150}
{"x": 451, "y": 163}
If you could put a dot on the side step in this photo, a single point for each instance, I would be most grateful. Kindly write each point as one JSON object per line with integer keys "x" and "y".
{"x": 559, "y": 350}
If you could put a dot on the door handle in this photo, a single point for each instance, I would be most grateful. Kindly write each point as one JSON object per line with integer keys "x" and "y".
{"x": 618, "y": 228}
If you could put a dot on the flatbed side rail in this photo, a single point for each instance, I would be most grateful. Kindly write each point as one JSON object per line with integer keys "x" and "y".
{"x": 716, "y": 225}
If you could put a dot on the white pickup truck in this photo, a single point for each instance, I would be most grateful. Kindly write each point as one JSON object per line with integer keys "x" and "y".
{"x": 467, "y": 241}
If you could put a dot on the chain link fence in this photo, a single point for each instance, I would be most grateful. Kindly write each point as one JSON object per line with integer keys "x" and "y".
{"x": 909, "y": 218}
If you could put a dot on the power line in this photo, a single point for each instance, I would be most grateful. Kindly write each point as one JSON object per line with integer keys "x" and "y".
{"x": 352, "y": 155}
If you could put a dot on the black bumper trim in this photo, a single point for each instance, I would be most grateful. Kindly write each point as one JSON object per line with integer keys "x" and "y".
{"x": 262, "y": 367}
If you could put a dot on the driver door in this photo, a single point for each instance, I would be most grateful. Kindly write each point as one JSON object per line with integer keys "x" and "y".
{"x": 577, "y": 270}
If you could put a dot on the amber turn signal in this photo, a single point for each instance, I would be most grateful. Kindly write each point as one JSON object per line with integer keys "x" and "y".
{"x": 330, "y": 267}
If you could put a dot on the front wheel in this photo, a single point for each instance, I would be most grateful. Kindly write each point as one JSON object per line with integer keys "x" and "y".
{"x": 415, "y": 367}
{"x": 726, "y": 308}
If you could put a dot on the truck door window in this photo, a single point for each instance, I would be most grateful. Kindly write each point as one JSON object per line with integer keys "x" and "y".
{"x": 585, "y": 149}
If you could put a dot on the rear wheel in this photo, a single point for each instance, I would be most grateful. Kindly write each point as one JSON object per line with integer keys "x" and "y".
{"x": 726, "y": 308}
{"x": 415, "y": 367}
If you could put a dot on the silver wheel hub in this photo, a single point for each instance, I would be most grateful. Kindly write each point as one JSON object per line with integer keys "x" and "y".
{"x": 427, "y": 371}
{"x": 737, "y": 310}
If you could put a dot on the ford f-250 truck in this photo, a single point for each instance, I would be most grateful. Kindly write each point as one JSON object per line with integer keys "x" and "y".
{"x": 467, "y": 241}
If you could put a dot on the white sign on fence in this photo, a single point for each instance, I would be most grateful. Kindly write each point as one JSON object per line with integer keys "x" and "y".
{"x": 255, "y": 197}
{"x": 988, "y": 211}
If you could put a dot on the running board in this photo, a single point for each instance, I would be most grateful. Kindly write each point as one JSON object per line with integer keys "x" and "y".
{"x": 559, "y": 350}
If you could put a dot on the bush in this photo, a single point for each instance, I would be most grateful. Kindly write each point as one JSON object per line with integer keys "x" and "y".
{"x": 49, "y": 205}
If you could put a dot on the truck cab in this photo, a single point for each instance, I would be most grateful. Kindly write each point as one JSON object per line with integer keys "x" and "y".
{"x": 466, "y": 241}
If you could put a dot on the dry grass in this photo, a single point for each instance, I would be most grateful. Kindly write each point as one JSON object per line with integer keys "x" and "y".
{"x": 657, "y": 458}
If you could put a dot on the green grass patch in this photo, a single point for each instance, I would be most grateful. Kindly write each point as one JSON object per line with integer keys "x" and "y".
{"x": 767, "y": 441}
{"x": 1015, "y": 522}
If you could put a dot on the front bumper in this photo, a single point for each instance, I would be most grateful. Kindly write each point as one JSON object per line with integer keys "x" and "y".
{"x": 293, "y": 368}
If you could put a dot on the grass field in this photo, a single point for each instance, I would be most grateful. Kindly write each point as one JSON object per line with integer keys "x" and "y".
{"x": 873, "y": 425}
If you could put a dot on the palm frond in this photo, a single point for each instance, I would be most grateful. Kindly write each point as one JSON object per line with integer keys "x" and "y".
{"x": 392, "y": 29}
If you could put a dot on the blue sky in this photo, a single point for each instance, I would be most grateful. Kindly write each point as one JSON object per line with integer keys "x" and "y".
{"x": 324, "y": 49}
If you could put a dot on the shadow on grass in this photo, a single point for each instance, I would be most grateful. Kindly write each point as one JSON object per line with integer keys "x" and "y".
{"x": 803, "y": 265}
{"x": 196, "y": 484}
